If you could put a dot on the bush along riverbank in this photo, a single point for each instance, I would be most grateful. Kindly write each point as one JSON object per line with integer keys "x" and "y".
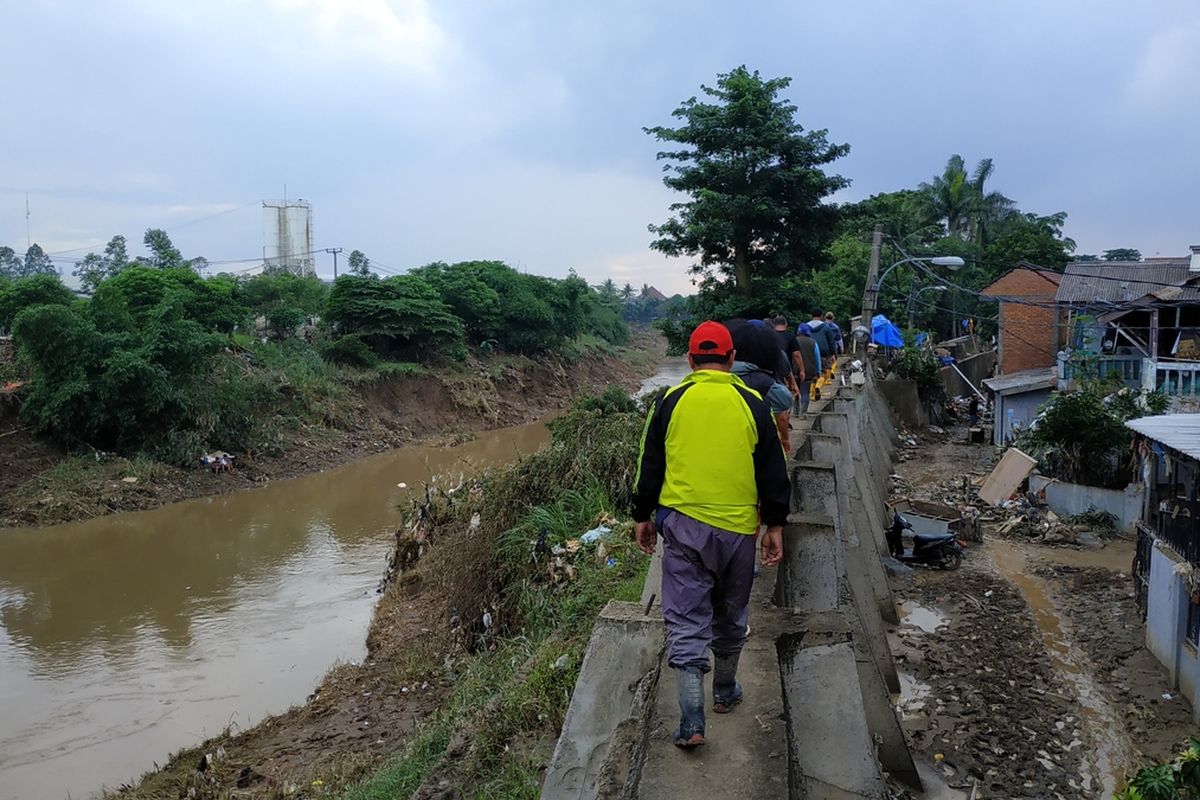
{"x": 476, "y": 641}
{"x": 333, "y": 415}
{"x": 112, "y": 401}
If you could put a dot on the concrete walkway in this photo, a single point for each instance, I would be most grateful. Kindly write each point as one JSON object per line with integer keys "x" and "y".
{"x": 817, "y": 719}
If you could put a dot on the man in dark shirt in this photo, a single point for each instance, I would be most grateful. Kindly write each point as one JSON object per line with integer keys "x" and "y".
{"x": 811, "y": 363}
{"x": 791, "y": 350}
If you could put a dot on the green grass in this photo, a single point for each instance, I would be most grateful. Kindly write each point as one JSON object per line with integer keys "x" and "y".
{"x": 511, "y": 692}
{"x": 71, "y": 471}
{"x": 389, "y": 369}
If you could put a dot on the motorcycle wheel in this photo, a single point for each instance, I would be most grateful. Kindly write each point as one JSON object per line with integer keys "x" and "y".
{"x": 951, "y": 559}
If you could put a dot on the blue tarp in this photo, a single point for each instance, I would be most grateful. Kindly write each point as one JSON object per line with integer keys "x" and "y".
{"x": 885, "y": 333}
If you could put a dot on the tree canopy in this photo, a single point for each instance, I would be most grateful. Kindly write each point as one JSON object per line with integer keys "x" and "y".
{"x": 1122, "y": 254}
{"x": 767, "y": 241}
{"x": 35, "y": 290}
{"x": 358, "y": 263}
{"x": 755, "y": 181}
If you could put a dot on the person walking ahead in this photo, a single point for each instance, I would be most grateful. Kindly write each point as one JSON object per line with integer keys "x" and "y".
{"x": 710, "y": 469}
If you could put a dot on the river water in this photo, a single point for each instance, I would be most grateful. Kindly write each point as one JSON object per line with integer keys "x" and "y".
{"x": 126, "y": 637}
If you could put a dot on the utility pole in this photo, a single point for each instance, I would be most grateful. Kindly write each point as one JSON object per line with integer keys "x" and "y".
{"x": 335, "y": 251}
{"x": 871, "y": 290}
{"x": 912, "y": 296}
{"x": 28, "y": 229}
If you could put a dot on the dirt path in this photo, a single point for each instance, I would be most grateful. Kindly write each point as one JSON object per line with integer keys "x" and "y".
{"x": 1026, "y": 670}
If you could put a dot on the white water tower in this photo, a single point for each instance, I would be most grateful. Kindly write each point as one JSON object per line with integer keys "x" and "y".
{"x": 288, "y": 236}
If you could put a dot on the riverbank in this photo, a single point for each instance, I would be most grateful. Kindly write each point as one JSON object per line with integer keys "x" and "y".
{"x": 42, "y": 485}
{"x": 474, "y": 645}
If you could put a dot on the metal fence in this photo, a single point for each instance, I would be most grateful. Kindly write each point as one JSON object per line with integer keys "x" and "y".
{"x": 1177, "y": 528}
{"x": 1141, "y": 568}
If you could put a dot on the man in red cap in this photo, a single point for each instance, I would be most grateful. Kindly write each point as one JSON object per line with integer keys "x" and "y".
{"x": 711, "y": 468}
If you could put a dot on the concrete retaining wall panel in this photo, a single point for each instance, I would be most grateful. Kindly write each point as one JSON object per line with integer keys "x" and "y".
{"x": 1165, "y": 617}
{"x": 832, "y": 755}
{"x": 1066, "y": 499}
{"x": 624, "y": 651}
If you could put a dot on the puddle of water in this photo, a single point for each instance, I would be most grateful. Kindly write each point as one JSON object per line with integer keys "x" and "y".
{"x": 1102, "y": 722}
{"x": 913, "y": 694}
{"x": 1116, "y": 556}
{"x": 922, "y": 617}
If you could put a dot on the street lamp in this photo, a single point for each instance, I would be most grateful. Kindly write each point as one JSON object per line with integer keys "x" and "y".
{"x": 949, "y": 262}
{"x": 872, "y": 290}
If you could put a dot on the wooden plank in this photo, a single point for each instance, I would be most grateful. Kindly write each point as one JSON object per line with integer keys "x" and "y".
{"x": 1006, "y": 478}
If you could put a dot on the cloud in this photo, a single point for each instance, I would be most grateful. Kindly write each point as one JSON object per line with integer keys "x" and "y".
{"x": 1161, "y": 79}
{"x": 305, "y": 34}
{"x": 668, "y": 275}
{"x": 400, "y": 33}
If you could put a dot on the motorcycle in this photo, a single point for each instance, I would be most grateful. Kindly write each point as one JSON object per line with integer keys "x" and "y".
{"x": 942, "y": 550}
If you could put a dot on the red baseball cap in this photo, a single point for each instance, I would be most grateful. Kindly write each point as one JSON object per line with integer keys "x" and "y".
{"x": 710, "y": 339}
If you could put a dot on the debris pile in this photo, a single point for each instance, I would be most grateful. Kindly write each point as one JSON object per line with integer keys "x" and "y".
{"x": 1023, "y": 517}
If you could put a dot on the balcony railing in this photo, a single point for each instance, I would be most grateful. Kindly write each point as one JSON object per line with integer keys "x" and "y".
{"x": 1129, "y": 368}
{"x": 1176, "y": 378}
{"x": 1178, "y": 528}
{"x": 1172, "y": 378}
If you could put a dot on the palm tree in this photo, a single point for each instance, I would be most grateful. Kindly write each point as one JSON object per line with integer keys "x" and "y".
{"x": 961, "y": 202}
{"x": 990, "y": 207}
{"x": 948, "y": 199}
{"x": 627, "y": 291}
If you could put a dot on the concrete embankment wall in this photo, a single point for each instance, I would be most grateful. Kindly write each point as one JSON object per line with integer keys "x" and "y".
{"x": 817, "y": 720}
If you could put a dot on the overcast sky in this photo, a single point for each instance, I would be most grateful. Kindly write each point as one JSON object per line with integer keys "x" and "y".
{"x": 468, "y": 129}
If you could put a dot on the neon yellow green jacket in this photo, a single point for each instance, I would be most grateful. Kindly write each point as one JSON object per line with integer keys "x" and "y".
{"x": 710, "y": 450}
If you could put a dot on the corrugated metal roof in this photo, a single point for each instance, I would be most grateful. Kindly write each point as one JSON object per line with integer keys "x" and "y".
{"x": 1025, "y": 380}
{"x": 1180, "y": 432}
{"x": 1123, "y": 281}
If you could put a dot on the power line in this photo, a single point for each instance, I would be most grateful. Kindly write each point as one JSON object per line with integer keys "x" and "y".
{"x": 168, "y": 229}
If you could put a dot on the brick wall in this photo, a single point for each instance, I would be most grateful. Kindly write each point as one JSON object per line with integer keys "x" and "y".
{"x": 1029, "y": 337}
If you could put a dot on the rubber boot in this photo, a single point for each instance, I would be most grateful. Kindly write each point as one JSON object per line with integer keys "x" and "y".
{"x": 689, "y": 683}
{"x": 727, "y": 692}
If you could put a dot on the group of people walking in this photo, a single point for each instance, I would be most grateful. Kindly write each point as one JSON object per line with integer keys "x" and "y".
{"x": 712, "y": 480}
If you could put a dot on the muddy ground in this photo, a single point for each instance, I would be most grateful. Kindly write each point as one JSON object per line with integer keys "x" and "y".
{"x": 1025, "y": 671}
{"x": 40, "y": 485}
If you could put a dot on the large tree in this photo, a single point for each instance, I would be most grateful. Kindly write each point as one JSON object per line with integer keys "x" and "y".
{"x": 37, "y": 262}
{"x": 1029, "y": 237}
{"x": 93, "y": 268}
{"x": 359, "y": 264}
{"x": 755, "y": 181}
{"x": 11, "y": 266}
{"x": 163, "y": 253}
{"x": 903, "y": 216}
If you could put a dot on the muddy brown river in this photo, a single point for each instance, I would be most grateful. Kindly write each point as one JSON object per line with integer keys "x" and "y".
{"x": 127, "y": 637}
